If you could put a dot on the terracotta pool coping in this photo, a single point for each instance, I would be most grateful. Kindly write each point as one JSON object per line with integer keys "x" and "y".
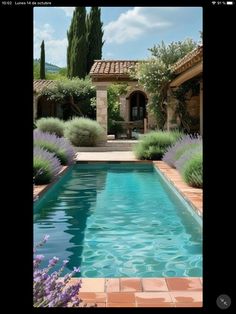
{"x": 39, "y": 190}
{"x": 141, "y": 292}
{"x": 193, "y": 196}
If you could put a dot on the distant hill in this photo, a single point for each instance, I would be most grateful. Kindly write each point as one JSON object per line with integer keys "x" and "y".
{"x": 49, "y": 67}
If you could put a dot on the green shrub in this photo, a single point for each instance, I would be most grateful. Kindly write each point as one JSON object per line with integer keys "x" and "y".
{"x": 42, "y": 171}
{"x": 192, "y": 171}
{"x": 84, "y": 132}
{"x": 154, "y": 144}
{"x": 114, "y": 127}
{"x": 51, "y": 125}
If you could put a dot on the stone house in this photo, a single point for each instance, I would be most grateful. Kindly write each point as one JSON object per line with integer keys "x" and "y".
{"x": 188, "y": 69}
{"x": 133, "y": 105}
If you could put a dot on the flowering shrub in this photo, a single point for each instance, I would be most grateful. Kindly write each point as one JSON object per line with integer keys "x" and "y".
{"x": 154, "y": 144}
{"x": 60, "y": 146}
{"x": 175, "y": 151}
{"x": 46, "y": 166}
{"x": 186, "y": 156}
{"x": 51, "y": 125}
{"x": 192, "y": 171}
{"x": 49, "y": 289}
{"x": 156, "y": 73}
{"x": 84, "y": 132}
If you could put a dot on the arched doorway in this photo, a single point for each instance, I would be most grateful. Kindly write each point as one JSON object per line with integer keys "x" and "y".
{"x": 137, "y": 102}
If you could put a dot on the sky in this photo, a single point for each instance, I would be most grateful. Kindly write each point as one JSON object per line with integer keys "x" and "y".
{"x": 128, "y": 31}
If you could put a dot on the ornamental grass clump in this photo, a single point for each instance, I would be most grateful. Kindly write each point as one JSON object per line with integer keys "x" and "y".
{"x": 153, "y": 145}
{"x": 49, "y": 288}
{"x": 46, "y": 166}
{"x": 185, "y": 143}
{"x": 60, "y": 146}
{"x": 51, "y": 125}
{"x": 84, "y": 132}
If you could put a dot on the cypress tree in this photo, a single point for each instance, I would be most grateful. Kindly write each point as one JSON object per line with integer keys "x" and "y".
{"x": 42, "y": 62}
{"x": 94, "y": 36}
{"x": 77, "y": 45}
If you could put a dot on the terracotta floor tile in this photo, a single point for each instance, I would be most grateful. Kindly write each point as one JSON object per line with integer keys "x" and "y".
{"x": 154, "y": 284}
{"x": 101, "y": 304}
{"x": 89, "y": 304}
{"x": 120, "y": 297}
{"x": 186, "y": 296}
{"x": 130, "y": 284}
{"x": 183, "y": 284}
{"x": 152, "y": 297}
{"x": 93, "y": 285}
{"x": 121, "y": 305}
{"x": 93, "y": 297}
{"x": 166, "y": 304}
{"x": 112, "y": 285}
{"x": 193, "y": 304}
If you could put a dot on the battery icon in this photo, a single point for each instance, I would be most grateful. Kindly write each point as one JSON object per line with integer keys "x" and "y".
{"x": 229, "y": 2}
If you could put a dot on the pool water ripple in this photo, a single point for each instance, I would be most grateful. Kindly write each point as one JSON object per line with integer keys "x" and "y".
{"x": 119, "y": 221}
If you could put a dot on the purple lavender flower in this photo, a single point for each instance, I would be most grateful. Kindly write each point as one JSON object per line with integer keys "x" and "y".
{"x": 50, "y": 162}
{"x": 185, "y": 143}
{"x": 53, "y": 261}
{"x": 60, "y": 143}
{"x": 49, "y": 289}
{"x": 39, "y": 258}
{"x": 179, "y": 164}
{"x": 46, "y": 237}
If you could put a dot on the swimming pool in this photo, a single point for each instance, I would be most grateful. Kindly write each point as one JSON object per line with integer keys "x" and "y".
{"x": 119, "y": 220}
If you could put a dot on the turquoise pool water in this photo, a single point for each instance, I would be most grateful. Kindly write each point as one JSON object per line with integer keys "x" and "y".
{"x": 119, "y": 220}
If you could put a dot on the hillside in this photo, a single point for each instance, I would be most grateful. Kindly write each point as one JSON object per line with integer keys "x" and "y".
{"x": 49, "y": 67}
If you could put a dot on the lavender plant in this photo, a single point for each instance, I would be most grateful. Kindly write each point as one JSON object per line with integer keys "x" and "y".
{"x": 185, "y": 143}
{"x": 46, "y": 166}
{"x": 50, "y": 290}
{"x": 186, "y": 156}
{"x": 60, "y": 146}
{"x": 192, "y": 171}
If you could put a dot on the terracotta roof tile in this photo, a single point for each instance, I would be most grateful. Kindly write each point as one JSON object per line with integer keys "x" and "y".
{"x": 189, "y": 60}
{"x": 111, "y": 67}
{"x": 39, "y": 85}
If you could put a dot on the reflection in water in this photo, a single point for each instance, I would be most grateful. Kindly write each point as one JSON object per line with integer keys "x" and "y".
{"x": 65, "y": 209}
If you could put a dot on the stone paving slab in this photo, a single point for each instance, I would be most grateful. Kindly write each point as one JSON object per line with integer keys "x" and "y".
{"x": 106, "y": 156}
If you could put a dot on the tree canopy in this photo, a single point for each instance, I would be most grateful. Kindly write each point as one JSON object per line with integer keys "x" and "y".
{"x": 155, "y": 73}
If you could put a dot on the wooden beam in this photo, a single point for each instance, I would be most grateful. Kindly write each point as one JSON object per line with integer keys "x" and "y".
{"x": 187, "y": 75}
